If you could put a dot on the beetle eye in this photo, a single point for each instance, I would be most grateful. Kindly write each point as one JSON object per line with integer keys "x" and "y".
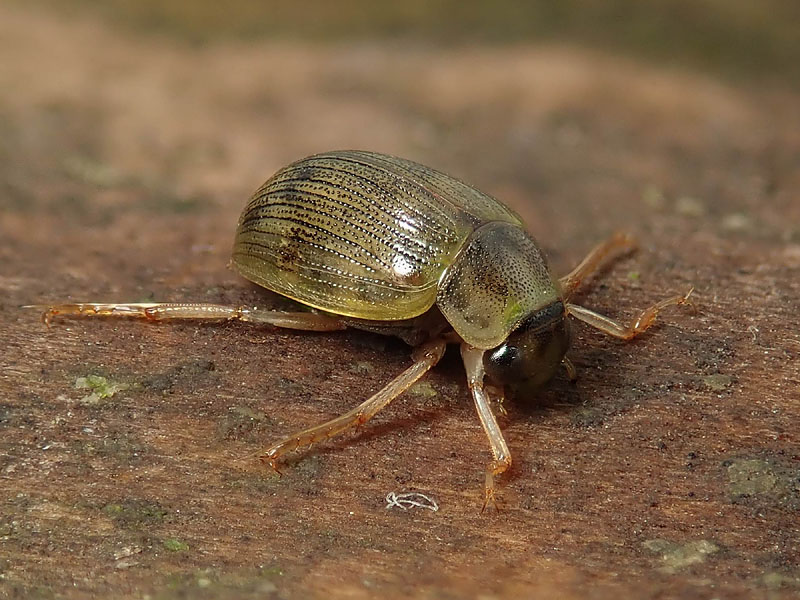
{"x": 505, "y": 355}
{"x": 504, "y": 364}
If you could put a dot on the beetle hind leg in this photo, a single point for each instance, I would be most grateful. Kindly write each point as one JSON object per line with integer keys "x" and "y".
{"x": 166, "y": 311}
{"x": 425, "y": 358}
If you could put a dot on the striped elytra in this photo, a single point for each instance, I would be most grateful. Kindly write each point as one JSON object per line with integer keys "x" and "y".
{"x": 375, "y": 237}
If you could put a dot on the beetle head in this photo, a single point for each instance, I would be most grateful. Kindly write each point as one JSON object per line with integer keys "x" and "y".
{"x": 532, "y": 353}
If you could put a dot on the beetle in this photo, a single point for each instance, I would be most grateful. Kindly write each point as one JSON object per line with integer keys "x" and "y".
{"x": 379, "y": 243}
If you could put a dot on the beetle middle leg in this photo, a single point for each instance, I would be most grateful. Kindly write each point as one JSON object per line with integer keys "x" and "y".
{"x": 501, "y": 456}
{"x": 165, "y": 311}
{"x": 425, "y": 358}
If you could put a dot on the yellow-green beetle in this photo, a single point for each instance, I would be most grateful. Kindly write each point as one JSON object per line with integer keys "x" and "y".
{"x": 385, "y": 244}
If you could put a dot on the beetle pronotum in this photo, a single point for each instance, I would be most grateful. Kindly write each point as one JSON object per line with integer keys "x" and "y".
{"x": 384, "y": 244}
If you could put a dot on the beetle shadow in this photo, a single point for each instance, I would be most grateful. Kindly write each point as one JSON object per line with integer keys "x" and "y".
{"x": 578, "y": 399}
{"x": 405, "y": 432}
{"x": 363, "y": 436}
{"x": 560, "y": 394}
{"x": 565, "y": 396}
{"x": 418, "y": 410}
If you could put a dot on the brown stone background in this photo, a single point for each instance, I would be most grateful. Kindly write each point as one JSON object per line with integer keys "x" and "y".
{"x": 131, "y": 134}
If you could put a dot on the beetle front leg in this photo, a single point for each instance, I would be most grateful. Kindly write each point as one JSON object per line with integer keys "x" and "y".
{"x": 501, "y": 457}
{"x": 619, "y": 330}
{"x": 425, "y": 358}
{"x": 166, "y": 311}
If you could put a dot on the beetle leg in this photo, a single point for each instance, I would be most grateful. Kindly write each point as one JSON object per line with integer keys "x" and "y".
{"x": 594, "y": 261}
{"x": 501, "y": 457}
{"x": 162, "y": 311}
{"x": 626, "y": 332}
{"x": 425, "y": 358}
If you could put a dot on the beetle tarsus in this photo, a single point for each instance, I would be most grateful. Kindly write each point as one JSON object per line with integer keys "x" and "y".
{"x": 267, "y": 459}
{"x": 490, "y": 501}
{"x": 689, "y": 301}
{"x": 494, "y": 468}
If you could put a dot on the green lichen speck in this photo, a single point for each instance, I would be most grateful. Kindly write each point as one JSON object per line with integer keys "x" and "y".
{"x": 717, "y": 382}
{"x": 135, "y": 513}
{"x": 209, "y": 583}
{"x": 775, "y": 580}
{"x": 99, "y": 387}
{"x": 423, "y": 389}
{"x": 362, "y": 368}
{"x": 676, "y": 556}
{"x": 175, "y": 545}
{"x": 752, "y": 477}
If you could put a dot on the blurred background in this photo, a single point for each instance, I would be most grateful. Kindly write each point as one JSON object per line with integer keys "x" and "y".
{"x": 735, "y": 38}
{"x": 557, "y": 108}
